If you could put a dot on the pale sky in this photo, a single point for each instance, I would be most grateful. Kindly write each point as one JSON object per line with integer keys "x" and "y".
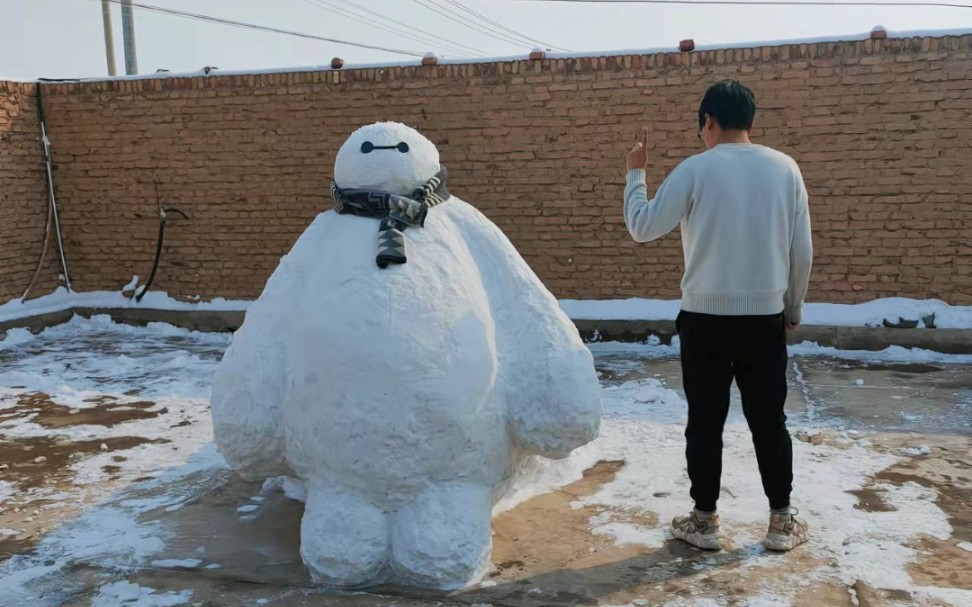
{"x": 64, "y": 38}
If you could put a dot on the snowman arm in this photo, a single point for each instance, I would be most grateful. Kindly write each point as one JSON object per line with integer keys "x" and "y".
{"x": 558, "y": 410}
{"x": 249, "y": 386}
{"x": 246, "y": 407}
{"x": 552, "y": 391}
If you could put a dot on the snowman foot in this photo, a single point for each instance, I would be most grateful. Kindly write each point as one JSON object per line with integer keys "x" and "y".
{"x": 343, "y": 539}
{"x": 442, "y": 539}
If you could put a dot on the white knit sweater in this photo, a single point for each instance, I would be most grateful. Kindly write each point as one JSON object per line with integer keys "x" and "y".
{"x": 745, "y": 229}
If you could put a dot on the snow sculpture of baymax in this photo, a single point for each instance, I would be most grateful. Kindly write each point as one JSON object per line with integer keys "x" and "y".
{"x": 404, "y": 361}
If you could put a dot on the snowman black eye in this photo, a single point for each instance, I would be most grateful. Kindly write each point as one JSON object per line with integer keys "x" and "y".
{"x": 367, "y": 147}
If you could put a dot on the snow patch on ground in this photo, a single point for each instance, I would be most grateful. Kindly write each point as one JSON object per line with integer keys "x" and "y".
{"x": 643, "y": 424}
{"x": 107, "y": 537}
{"x": 917, "y": 451}
{"x": 870, "y": 314}
{"x": 173, "y": 563}
{"x": 62, "y": 299}
{"x": 893, "y": 354}
{"x": 133, "y": 595}
{"x": 538, "y": 476}
{"x": 628, "y": 533}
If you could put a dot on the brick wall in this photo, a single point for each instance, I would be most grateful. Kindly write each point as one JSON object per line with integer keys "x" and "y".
{"x": 23, "y": 195}
{"x": 882, "y": 130}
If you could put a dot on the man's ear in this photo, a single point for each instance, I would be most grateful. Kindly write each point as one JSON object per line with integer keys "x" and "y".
{"x": 750, "y": 129}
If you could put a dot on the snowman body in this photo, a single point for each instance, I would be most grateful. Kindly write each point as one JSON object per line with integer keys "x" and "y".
{"x": 406, "y": 397}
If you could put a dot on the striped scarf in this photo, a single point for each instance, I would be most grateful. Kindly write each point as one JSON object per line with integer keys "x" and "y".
{"x": 396, "y": 212}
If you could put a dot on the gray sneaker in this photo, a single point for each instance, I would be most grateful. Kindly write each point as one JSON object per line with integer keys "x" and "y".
{"x": 700, "y": 532}
{"x": 786, "y": 531}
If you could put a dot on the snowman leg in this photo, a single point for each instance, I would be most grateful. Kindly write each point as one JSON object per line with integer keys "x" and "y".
{"x": 442, "y": 540}
{"x": 343, "y": 539}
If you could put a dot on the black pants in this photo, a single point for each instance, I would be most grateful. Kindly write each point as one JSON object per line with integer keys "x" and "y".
{"x": 751, "y": 350}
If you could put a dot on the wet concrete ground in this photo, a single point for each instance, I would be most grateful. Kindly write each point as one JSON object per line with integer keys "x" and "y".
{"x": 545, "y": 552}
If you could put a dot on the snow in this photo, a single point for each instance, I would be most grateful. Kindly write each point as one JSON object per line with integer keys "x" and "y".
{"x": 621, "y": 309}
{"x": 62, "y": 299}
{"x": 173, "y": 563}
{"x": 131, "y": 284}
{"x": 919, "y": 451}
{"x": 892, "y": 354}
{"x": 939, "y": 33}
{"x": 538, "y": 476}
{"x": 110, "y": 536}
{"x": 89, "y": 358}
{"x": 133, "y": 595}
{"x": 479, "y": 370}
{"x": 870, "y": 314}
{"x": 627, "y": 533}
{"x": 643, "y": 424}
{"x": 73, "y": 377}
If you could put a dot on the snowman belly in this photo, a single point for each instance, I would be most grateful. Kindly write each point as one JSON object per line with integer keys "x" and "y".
{"x": 394, "y": 377}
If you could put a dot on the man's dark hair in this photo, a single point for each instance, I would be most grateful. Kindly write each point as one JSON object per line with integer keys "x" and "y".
{"x": 731, "y": 104}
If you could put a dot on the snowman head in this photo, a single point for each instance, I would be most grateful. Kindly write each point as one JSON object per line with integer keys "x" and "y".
{"x": 387, "y": 157}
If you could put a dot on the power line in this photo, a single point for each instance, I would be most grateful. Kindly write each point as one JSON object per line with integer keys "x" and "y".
{"x": 411, "y": 27}
{"x": 485, "y": 28}
{"x": 482, "y": 17}
{"x": 264, "y": 28}
{"x": 327, "y": 6}
{"x": 764, "y": 3}
{"x": 465, "y": 21}
{"x": 348, "y": 13}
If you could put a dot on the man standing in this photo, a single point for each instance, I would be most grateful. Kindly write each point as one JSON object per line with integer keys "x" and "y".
{"x": 746, "y": 239}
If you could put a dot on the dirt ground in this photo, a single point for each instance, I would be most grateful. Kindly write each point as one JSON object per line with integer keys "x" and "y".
{"x": 545, "y": 551}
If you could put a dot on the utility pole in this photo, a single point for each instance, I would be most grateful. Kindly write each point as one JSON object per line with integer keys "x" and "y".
{"x": 109, "y": 38}
{"x": 128, "y": 32}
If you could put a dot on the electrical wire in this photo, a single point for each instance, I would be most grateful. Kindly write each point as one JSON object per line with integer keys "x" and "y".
{"x": 485, "y": 28}
{"x": 330, "y": 6}
{"x": 763, "y": 3}
{"x": 482, "y": 17}
{"x": 264, "y": 28}
{"x": 465, "y": 21}
{"x": 411, "y": 27}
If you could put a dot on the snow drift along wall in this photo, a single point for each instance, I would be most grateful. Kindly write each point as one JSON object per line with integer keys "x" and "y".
{"x": 23, "y": 194}
{"x": 882, "y": 130}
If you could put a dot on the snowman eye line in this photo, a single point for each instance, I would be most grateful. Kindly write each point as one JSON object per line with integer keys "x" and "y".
{"x": 367, "y": 147}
